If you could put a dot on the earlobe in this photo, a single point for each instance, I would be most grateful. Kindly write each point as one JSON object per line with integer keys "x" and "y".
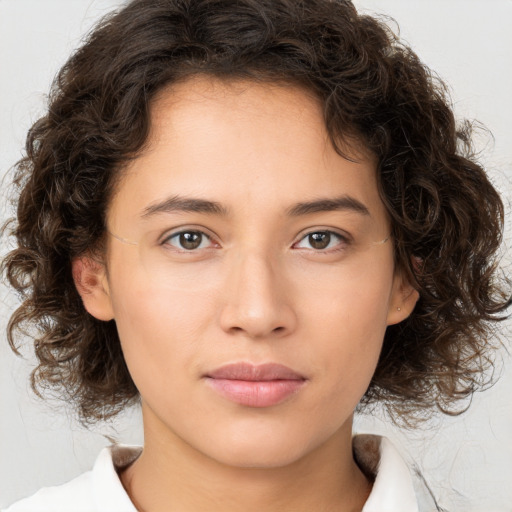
{"x": 91, "y": 282}
{"x": 403, "y": 300}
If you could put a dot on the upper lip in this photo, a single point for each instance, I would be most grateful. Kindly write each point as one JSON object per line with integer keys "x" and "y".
{"x": 251, "y": 372}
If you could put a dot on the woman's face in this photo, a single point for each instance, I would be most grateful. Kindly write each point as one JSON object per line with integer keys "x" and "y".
{"x": 249, "y": 273}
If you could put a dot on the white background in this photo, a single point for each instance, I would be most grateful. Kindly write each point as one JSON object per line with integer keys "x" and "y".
{"x": 467, "y": 460}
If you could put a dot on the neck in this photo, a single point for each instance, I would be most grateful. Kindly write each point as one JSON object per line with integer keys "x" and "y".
{"x": 170, "y": 475}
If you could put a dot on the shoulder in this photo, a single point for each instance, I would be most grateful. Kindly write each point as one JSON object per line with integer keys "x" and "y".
{"x": 99, "y": 490}
{"x": 73, "y": 496}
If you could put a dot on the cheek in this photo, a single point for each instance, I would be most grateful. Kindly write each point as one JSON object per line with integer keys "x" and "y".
{"x": 350, "y": 326}
{"x": 160, "y": 325}
{"x": 161, "y": 334}
{"x": 160, "y": 320}
{"x": 352, "y": 341}
{"x": 354, "y": 302}
{"x": 350, "y": 352}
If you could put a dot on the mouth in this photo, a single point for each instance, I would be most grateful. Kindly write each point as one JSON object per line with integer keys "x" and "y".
{"x": 251, "y": 385}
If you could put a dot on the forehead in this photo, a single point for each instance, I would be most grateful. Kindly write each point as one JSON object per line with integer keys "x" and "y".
{"x": 243, "y": 144}
{"x": 289, "y": 105}
{"x": 250, "y": 96}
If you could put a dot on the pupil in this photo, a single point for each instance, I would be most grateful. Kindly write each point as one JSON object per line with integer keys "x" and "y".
{"x": 190, "y": 240}
{"x": 319, "y": 240}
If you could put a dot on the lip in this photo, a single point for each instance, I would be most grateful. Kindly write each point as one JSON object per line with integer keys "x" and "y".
{"x": 251, "y": 385}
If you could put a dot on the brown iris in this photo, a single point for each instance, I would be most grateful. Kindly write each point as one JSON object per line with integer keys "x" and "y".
{"x": 191, "y": 239}
{"x": 319, "y": 240}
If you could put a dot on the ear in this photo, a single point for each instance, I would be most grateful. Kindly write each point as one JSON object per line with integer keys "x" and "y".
{"x": 91, "y": 282}
{"x": 402, "y": 301}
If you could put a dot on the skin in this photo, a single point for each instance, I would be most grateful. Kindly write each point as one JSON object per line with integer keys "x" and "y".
{"x": 255, "y": 290}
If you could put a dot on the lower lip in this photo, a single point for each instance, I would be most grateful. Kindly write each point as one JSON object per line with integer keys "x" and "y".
{"x": 256, "y": 393}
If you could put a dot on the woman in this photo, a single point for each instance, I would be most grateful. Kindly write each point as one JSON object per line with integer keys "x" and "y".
{"x": 251, "y": 217}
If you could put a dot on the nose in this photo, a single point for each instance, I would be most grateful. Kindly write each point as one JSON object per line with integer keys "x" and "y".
{"x": 257, "y": 299}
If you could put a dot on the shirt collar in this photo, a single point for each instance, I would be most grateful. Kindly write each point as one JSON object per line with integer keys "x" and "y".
{"x": 109, "y": 493}
{"x": 393, "y": 489}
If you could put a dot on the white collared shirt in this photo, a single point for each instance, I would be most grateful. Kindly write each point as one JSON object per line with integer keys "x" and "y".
{"x": 101, "y": 490}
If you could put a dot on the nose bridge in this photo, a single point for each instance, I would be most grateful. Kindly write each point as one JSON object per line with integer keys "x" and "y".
{"x": 256, "y": 298}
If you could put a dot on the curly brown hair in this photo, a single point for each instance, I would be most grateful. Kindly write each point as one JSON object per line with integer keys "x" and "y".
{"x": 447, "y": 218}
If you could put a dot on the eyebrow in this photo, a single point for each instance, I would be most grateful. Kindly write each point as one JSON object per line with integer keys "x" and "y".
{"x": 328, "y": 205}
{"x": 185, "y": 204}
{"x": 190, "y": 204}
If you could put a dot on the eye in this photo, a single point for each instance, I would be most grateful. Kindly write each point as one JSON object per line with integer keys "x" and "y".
{"x": 321, "y": 241}
{"x": 189, "y": 240}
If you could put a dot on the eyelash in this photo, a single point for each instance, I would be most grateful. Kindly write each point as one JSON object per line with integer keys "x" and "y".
{"x": 343, "y": 240}
{"x": 179, "y": 234}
